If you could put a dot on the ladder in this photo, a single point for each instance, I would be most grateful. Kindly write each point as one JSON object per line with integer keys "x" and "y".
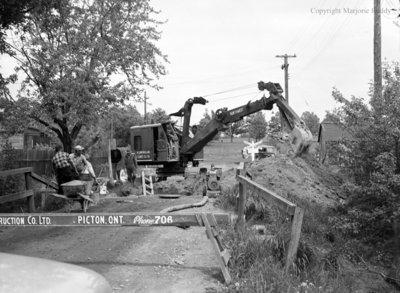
{"x": 147, "y": 183}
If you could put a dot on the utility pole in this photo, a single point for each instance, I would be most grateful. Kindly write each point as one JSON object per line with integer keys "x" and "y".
{"x": 145, "y": 108}
{"x": 285, "y": 67}
{"x": 377, "y": 50}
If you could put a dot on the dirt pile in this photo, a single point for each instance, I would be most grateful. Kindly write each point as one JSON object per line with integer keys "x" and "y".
{"x": 192, "y": 185}
{"x": 300, "y": 177}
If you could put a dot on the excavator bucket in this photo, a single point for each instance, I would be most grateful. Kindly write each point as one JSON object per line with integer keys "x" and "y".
{"x": 301, "y": 140}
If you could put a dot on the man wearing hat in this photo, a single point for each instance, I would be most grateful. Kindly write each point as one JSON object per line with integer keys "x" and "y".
{"x": 81, "y": 163}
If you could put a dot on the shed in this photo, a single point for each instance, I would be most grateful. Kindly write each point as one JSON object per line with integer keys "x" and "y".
{"x": 330, "y": 132}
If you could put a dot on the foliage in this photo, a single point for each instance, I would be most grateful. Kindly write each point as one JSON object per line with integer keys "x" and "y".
{"x": 14, "y": 12}
{"x": 257, "y": 260}
{"x": 121, "y": 118}
{"x": 206, "y": 118}
{"x": 372, "y": 208}
{"x": 8, "y": 184}
{"x": 312, "y": 122}
{"x": 236, "y": 128}
{"x": 257, "y": 125}
{"x": 373, "y": 159}
{"x": 74, "y": 58}
{"x": 274, "y": 125}
{"x": 159, "y": 115}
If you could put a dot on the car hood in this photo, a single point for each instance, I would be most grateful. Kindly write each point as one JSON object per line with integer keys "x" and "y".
{"x": 20, "y": 274}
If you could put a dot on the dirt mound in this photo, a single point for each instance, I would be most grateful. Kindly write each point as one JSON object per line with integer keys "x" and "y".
{"x": 301, "y": 177}
{"x": 192, "y": 185}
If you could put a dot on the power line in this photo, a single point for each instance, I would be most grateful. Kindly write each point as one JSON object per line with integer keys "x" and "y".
{"x": 231, "y": 90}
{"x": 233, "y": 97}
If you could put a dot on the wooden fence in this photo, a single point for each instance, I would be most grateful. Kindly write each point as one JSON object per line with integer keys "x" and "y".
{"x": 28, "y": 192}
{"x": 295, "y": 212}
{"x": 40, "y": 161}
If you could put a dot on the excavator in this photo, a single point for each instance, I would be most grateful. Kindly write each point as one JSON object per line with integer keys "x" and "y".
{"x": 171, "y": 150}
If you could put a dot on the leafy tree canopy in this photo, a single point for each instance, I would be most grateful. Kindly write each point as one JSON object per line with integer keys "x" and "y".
{"x": 115, "y": 124}
{"x": 312, "y": 122}
{"x": 72, "y": 56}
{"x": 159, "y": 115}
{"x": 236, "y": 128}
{"x": 373, "y": 160}
{"x": 257, "y": 125}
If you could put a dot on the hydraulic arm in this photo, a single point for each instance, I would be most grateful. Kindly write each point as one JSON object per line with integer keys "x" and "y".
{"x": 223, "y": 117}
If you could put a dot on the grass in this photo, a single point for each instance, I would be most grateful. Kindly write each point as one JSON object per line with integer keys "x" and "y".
{"x": 225, "y": 151}
{"x": 326, "y": 260}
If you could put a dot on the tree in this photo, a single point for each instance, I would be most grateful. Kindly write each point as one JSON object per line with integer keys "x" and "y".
{"x": 74, "y": 58}
{"x": 312, "y": 122}
{"x": 235, "y": 129}
{"x": 274, "y": 125}
{"x": 372, "y": 207}
{"x": 120, "y": 119}
{"x": 206, "y": 118}
{"x": 159, "y": 115}
{"x": 257, "y": 125}
{"x": 14, "y": 12}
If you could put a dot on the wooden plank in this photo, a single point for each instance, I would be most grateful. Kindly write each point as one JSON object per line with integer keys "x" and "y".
{"x": 217, "y": 250}
{"x": 108, "y": 219}
{"x": 226, "y": 256}
{"x": 44, "y": 181}
{"x": 282, "y": 203}
{"x": 15, "y": 196}
{"x": 294, "y": 237}
{"x": 31, "y": 199}
{"x": 85, "y": 197}
{"x": 15, "y": 171}
{"x": 241, "y": 206}
{"x": 58, "y": 195}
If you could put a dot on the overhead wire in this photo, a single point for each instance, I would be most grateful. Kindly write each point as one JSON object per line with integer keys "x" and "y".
{"x": 230, "y": 90}
{"x": 320, "y": 28}
{"x": 329, "y": 40}
{"x": 305, "y": 27}
{"x": 233, "y": 97}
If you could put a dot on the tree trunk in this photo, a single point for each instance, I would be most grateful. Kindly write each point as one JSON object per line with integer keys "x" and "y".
{"x": 231, "y": 138}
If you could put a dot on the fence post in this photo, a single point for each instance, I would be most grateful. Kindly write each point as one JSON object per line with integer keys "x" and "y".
{"x": 241, "y": 206}
{"x": 294, "y": 237}
{"x": 28, "y": 186}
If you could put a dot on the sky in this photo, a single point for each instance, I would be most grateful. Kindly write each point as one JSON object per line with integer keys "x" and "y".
{"x": 228, "y": 46}
{"x": 221, "y": 49}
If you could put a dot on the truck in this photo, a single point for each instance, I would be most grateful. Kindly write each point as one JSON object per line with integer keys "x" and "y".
{"x": 171, "y": 150}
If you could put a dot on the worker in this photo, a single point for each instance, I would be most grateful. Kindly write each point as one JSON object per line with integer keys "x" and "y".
{"x": 116, "y": 157}
{"x": 131, "y": 166}
{"x": 64, "y": 167}
{"x": 83, "y": 166}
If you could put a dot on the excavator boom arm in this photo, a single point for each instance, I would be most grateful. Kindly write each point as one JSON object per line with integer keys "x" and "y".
{"x": 224, "y": 116}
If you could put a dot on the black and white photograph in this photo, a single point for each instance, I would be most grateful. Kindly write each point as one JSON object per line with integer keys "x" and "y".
{"x": 199, "y": 146}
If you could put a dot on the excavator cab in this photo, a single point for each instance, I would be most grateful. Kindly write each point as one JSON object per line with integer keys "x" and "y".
{"x": 155, "y": 143}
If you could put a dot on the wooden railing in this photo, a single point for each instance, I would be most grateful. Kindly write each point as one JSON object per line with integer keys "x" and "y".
{"x": 29, "y": 191}
{"x": 294, "y": 212}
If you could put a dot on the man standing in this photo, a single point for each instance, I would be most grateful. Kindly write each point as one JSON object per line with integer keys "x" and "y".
{"x": 64, "y": 168}
{"x": 116, "y": 157}
{"x": 131, "y": 166}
